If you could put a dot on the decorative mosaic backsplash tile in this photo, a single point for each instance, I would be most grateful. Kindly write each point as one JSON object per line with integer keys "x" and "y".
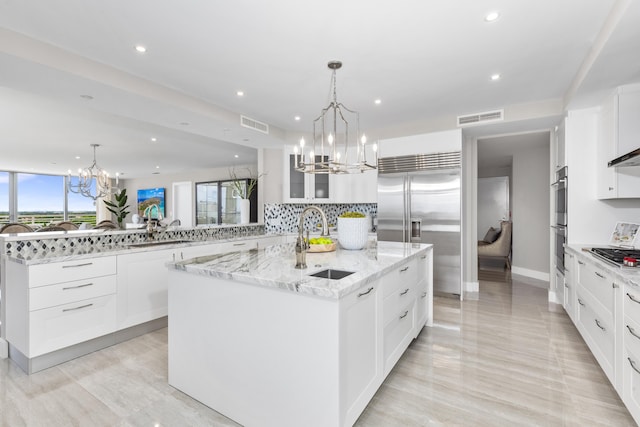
{"x": 284, "y": 218}
{"x": 62, "y": 244}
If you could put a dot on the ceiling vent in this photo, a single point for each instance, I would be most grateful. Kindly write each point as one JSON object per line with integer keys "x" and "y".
{"x": 481, "y": 118}
{"x": 254, "y": 124}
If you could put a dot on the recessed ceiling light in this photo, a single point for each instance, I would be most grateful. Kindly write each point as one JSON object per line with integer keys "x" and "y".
{"x": 378, "y": 101}
{"x": 236, "y": 156}
{"x": 495, "y": 77}
{"x": 492, "y": 16}
{"x": 157, "y": 167}
{"x": 141, "y": 49}
{"x": 296, "y": 118}
{"x": 240, "y": 93}
{"x": 77, "y": 157}
{"x": 88, "y": 97}
{"x": 184, "y": 123}
{"x": 153, "y": 139}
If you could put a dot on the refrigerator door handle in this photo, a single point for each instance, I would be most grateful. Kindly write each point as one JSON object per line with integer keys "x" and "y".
{"x": 405, "y": 202}
{"x": 407, "y": 212}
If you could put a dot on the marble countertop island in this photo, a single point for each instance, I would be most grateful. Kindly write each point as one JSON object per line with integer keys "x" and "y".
{"x": 274, "y": 266}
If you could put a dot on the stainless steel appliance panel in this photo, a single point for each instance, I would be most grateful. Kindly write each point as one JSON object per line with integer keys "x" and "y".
{"x": 424, "y": 207}
{"x": 435, "y": 200}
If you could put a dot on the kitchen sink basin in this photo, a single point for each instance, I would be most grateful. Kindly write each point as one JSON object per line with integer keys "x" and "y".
{"x": 332, "y": 274}
{"x": 156, "y": 243}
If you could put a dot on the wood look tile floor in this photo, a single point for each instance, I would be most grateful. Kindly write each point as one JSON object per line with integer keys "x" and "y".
{"x": 507, "y": 358}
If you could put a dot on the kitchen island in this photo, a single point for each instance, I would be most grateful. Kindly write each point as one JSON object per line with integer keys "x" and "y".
{"x": 268, "y": 345}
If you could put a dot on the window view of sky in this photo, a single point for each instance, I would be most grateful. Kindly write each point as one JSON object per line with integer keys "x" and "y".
{"x": 42, "y": 193}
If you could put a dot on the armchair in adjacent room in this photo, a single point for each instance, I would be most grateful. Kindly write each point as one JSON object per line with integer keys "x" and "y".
{"x": 500, "y": 248}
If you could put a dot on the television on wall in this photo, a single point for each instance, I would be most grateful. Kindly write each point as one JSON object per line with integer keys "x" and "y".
{"x": 149, "y": 197}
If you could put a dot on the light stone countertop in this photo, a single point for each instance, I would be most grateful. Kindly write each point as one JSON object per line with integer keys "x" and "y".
{"x": 630, "y": 275}
{"x": 273, "y": 266}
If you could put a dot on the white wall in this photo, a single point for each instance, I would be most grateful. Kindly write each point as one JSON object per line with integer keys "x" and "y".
{"x": 166, "y": 181}
{"x": 530, "y": 210}
{"x": 590, "y": 221}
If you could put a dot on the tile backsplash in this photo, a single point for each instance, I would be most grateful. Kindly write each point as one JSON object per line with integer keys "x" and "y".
{"x": 284, "y": 217}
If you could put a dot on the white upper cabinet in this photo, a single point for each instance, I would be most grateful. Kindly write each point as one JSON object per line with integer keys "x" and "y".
{"x": 301, "y": 187}
{"x": 619, "y": 134}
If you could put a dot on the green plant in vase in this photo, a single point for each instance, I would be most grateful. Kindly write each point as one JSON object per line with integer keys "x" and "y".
{"x": 119, "y": 207}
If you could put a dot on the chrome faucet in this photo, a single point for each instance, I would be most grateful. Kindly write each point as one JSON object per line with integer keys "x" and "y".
{"x": 150, "y": 227}
{"x": 301, "y": 244}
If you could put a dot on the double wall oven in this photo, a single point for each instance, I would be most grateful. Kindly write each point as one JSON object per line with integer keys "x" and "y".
{"x": 560, "y": 226}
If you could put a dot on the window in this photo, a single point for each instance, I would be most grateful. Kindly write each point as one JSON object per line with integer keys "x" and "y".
{"x": 40, "y": 198}
{"x": 216, "y": 203}
{"x": 4, "y": 197}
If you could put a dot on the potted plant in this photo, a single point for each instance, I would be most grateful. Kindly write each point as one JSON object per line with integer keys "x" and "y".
{"x": 353, "y": 230}
{"x": 242, "y": 189}
{"x": 119, "y": 208}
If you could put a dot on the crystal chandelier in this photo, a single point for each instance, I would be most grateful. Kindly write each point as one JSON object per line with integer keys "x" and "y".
{"x": 86, "y": 177}
{"x": 337, "y": 148}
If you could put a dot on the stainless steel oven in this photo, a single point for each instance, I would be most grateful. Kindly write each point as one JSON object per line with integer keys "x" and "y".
{"x": 560, "y": 189}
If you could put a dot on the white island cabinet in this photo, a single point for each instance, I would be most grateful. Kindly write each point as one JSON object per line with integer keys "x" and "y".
{"x": 268, "y": 345}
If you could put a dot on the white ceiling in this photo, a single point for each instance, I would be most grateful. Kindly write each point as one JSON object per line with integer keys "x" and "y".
{"x": 428, "y": 61}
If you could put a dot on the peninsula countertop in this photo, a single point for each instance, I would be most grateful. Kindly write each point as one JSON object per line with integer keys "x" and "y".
{"x": 274, "y": 266}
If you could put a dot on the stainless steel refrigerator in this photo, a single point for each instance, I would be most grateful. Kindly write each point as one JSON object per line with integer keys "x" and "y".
{"x": 419, "y": 202}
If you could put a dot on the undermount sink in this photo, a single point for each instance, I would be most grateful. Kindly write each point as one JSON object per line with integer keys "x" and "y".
{"x": 332, "y": 274}
{"x": 156, "y": 243}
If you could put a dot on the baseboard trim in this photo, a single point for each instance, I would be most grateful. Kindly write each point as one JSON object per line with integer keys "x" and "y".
{"x": 530, "y": 273}
{"x": 553, "y": 297}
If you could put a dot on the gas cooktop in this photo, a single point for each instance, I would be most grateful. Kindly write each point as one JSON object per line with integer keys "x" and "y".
{"x": 615, "y": 255}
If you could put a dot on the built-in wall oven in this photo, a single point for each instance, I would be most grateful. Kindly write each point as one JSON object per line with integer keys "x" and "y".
{"x": 560, "y": 189}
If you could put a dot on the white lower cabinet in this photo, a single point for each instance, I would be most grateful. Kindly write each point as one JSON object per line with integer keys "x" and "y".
{"x": 597, "y": 329}
{"x": 570, "y": 284}
{"x": 360, "y": 342}
{"x": 59, "y": 304}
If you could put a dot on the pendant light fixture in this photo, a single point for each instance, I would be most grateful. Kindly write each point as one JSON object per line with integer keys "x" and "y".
{"x": 338, "y": 146}
{"x": 86, "y": 177}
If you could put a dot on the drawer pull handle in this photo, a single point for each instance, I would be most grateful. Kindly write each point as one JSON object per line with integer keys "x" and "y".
{"x": 77, "y": 308}
{"x": 239, "y": 244}
{"x": 365, "y": 293}
{"x": 615, "y": 285}
{"x": 631, "y": 297}
{"x": 404, "y": 269}
{"x": 76, "y": 287}
{"x": 424, "y": 295}
{"x": 633, "y": 365}
{"x": 567, "y": 270}
{"x": 580, "y": 262}
{"x": 404, "y": 292}
{"x": 580, "y": 302}
{"x": 632, "y": 332}
{"x": 423, "y": 257}
{"x": 77, "y": 265}
{"x": 599, "y": 325}
{"x": 567, "y": 286}
{"x": 404, "y": 314}
{"x": 599, "y": 275}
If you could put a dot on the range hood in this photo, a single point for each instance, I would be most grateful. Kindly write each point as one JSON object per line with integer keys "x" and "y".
{"x": 629, "y": 159}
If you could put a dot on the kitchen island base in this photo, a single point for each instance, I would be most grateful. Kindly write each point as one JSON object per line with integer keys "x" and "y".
{"x": 264, "y": 356}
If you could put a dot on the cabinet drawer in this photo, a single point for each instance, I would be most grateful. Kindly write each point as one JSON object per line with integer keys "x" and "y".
{"x": 58, "y": 272}
{"x": 599, "y": 283}
{"x": 631, "y": 337}
{"x": 403, "y": 275}
{"x": 399, "y": 299}
{"x": 422, "y": 303}
{"x": 69, "y": 292}
{"x": 58, "y": 327}
{"x": 398, "y": 334}
{"x": 632, "y": 303}
{"x": 599, "y": 329}
{"x": 631, "y": 383}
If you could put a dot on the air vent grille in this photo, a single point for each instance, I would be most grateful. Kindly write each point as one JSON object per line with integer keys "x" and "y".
{"x": 481, "y": 118}
{"x": 419, "y": 162}
{"x": 250, "y": 123}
